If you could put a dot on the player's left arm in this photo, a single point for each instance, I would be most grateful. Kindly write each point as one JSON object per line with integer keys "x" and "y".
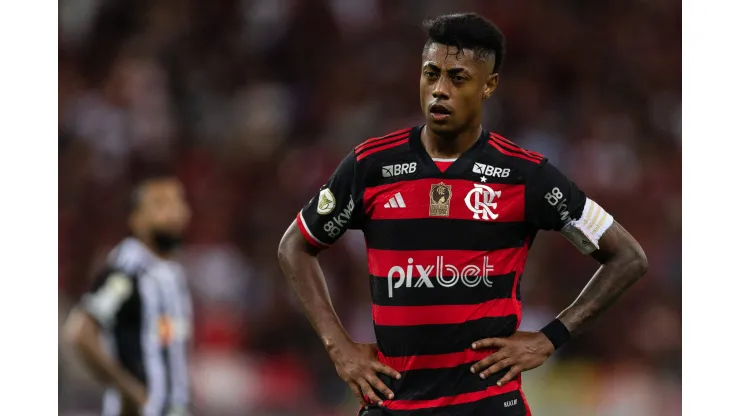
{"x": 558, "y": 204}
{"x": 623, "y": 262}
{"x": 555, "y": 203}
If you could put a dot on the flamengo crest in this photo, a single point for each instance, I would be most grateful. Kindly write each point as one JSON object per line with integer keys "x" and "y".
{"x": 480, "y": 201}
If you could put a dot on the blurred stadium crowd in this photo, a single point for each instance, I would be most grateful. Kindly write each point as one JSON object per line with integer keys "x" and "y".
{"x": 252, "y": 103}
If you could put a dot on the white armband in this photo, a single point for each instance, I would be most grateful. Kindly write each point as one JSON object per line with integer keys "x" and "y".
{"x": 586, "y": 231}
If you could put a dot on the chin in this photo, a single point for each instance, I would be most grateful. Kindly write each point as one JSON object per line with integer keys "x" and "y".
{"x": 444, "y": 128}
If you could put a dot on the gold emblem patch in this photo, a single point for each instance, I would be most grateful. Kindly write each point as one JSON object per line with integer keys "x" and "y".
{"x": 327, "y": 202}
{"x": 439, "y": 200}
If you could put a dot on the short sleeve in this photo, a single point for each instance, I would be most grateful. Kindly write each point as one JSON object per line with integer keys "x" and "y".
{"x": 554, "y": 202}
{"x": 335, "y": 208}
{"x": 109, "y": 293}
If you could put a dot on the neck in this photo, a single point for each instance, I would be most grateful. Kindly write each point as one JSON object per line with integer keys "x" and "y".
{"x": 452, "y": 147}
{"x": 149, "y": 243}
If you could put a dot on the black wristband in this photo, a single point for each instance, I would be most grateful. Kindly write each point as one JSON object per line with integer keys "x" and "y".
{"x": 556, "y": 332}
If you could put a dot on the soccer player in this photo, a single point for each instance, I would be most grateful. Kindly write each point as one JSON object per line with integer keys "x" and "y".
{"x": 449, "y": 211}
{"x": 139, "y": 306}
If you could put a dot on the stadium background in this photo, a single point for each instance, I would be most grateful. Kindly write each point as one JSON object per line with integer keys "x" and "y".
{"x": 252, "y": 103}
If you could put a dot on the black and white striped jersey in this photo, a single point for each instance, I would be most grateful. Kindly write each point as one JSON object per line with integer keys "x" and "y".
{"x": 143, "y": 305}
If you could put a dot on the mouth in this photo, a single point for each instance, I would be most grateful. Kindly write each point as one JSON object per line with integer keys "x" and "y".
{"x": 439, "y": 112}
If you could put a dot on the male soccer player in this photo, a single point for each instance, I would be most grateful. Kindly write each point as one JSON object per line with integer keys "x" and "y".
{"x": 140, "y": 308}
{"x": 449, "y": 211}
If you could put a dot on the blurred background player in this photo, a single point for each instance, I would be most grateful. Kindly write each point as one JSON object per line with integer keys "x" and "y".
{"x": 132, "y": 328}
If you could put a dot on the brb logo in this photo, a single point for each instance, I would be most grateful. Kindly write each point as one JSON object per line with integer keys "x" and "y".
{"x": 489, "y": 170}
{"x": 399, "y": 169}
{"x": 470, "y": 275}
{"x": 480, "y": 201}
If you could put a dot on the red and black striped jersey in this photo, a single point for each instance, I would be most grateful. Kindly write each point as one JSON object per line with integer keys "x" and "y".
{"x": 446, "y": 251}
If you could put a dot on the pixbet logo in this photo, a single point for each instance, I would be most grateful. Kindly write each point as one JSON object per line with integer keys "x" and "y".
{"x": 470, "y": 275}
{"x": 480, "y": 201}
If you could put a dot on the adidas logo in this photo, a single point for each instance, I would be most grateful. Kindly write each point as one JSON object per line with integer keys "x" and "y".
{"x": 396, "y": 201}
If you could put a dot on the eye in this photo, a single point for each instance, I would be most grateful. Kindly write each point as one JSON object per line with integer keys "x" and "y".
{"x": 430, "y": 74}
{"x": 458, "y": 78}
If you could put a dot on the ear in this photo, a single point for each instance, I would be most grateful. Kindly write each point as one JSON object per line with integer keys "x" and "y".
{"x": 490, "y": 86}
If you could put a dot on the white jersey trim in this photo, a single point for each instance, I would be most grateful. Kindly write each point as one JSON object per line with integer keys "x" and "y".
{"x": 130, "y": 256}
{"x": 308, "y": 230}
{"x": 154, "y": 365}
{"x": 586, "y": 231}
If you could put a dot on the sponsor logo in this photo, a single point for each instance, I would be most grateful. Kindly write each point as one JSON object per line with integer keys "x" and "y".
{"x": 489, "y": 170}
{"x": 439, "y": 200}
{"x": 555, "y": 199}
{"x": 172, "y": 329}
{"x": 399, "y": 169}
{"x": 470, "y": 275}
{"x": 338, "y": 222}
{"x": 396, "y": 201}
{"x": 327, "y": 202}
{"x": 480, "y": 201}
{"x": 510, "y": 403}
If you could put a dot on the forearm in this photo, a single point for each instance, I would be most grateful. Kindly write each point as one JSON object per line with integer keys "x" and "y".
{"x": 84, "y": 338}
{"x": 308, "y": 283}
{"x": 106, "y": 369}
{"x": 612, "y": 279}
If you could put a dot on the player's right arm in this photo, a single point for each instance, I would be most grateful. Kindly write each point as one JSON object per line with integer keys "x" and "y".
{"x": 82, "y": 330}
{"x": 335, "y": 208}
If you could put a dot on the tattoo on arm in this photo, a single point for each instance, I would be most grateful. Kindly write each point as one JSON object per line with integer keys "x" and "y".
{"x": 623, "y": 262}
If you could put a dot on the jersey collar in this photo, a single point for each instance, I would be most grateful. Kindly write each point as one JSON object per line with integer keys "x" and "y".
{"x": 458, "y": 166}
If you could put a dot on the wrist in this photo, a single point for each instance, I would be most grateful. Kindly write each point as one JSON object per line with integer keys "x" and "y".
{"x": 333, "y": 344}
{"x": 557, "y": 333}
{"x": 134, "y": 390}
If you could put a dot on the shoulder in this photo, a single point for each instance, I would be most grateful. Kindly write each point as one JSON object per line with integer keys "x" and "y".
{"x": 130, "y": 257}
{"x": 506, "y": 150}
{"x": 524, "y": 165}
{"x": 381, "y": 147}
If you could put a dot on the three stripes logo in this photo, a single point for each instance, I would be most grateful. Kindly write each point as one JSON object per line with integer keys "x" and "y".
{"x": 396, "y": 201}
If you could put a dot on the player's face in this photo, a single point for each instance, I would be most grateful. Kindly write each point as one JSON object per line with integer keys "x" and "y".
{"x": 453, "y": 87}
{"x": 163, "y": 208}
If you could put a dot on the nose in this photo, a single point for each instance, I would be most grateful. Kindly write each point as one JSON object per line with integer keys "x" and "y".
{"x": 441, "y": 89}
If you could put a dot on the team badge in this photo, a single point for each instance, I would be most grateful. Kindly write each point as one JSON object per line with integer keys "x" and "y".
{"x": 480, "y": 201}
{"x": 439, "y": 200}
{"x": 327, "y": 202}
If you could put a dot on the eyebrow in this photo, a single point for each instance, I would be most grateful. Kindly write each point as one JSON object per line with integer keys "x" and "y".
{"x": 452, "y": 71}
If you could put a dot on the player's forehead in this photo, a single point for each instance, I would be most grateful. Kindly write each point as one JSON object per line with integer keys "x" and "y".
{"x": 447, "y": 57}
{"x": 164, "y": 188}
